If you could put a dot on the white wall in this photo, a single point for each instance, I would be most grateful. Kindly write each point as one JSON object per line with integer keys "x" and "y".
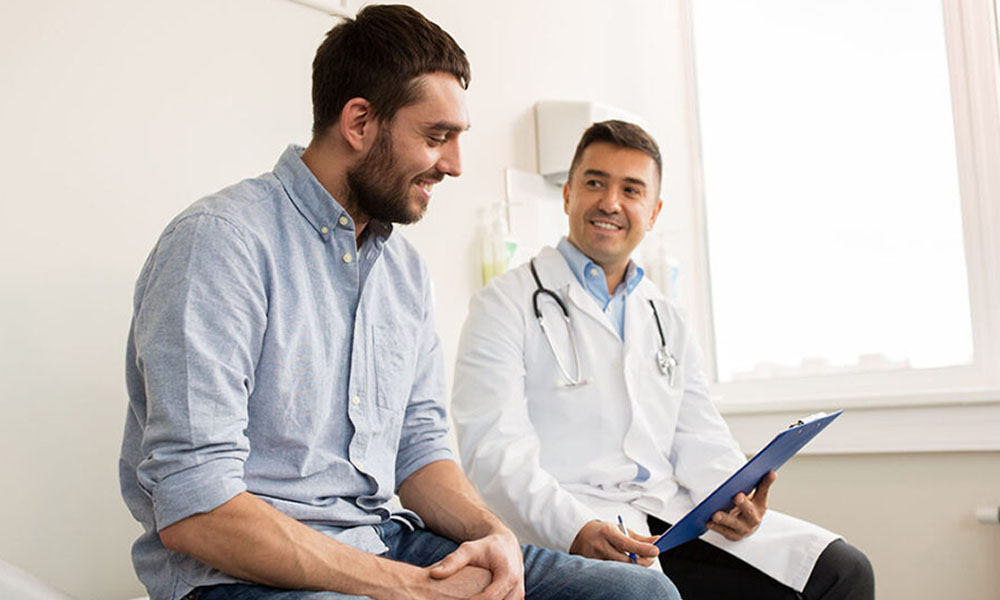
{"x": 525, "y": 51}
{"x": 912, "y": 514}
{"x": 115, "y": 114}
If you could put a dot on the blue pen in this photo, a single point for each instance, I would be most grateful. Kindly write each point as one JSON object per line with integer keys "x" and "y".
{"x": 621, "y": 526}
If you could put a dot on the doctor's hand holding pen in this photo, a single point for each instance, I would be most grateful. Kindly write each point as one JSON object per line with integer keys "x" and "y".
{"x": 744, "y": 518}
{"x": 605, "y": 541}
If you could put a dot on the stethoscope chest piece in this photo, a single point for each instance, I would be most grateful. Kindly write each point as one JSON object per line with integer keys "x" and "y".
{"x": 667, "y": 364}
{"x": 665, "y": 361}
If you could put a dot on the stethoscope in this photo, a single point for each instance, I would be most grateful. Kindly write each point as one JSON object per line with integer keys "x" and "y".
{"x": 665, "y": 360}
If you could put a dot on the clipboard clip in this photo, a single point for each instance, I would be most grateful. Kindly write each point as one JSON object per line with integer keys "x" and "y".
{"x": 813, "y": 417}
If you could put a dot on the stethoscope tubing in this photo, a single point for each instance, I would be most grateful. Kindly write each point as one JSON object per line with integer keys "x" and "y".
{"x": 572, "y": 381}
{"x": 664, "y": 358}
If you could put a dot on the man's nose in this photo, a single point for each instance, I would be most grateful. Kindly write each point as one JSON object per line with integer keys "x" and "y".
{"x": 450, "y": 162}
{"x": 610, "y": 201}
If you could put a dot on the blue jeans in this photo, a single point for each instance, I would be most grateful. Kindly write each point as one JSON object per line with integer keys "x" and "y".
{"x": 548, "y": 575}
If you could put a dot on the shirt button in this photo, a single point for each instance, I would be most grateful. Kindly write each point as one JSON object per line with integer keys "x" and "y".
{"x": 593, "y": 272}
{"x": 348, "y": 257}
{"x": 324, "y": 230}
{"x": 343, "y": 220}
{"x": 355, "y": 401}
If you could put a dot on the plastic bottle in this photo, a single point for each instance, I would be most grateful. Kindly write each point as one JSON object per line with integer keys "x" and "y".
{"x": 498, "y": 246}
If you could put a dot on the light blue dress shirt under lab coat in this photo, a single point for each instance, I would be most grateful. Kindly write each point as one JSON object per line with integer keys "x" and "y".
{"x": 268, "y": 354}
{"x": 591, "y": 277}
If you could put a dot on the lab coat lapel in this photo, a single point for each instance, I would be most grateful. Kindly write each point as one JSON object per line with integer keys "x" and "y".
{"x": 556, "y": 274}
{"x": 584, "y": 302}
{"x": 641, "y": 335}
{"x": 641, "y": 342}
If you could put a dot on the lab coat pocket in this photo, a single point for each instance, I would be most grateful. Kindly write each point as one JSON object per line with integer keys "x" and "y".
{"x": 669, "y": 394}
{"x": 395, "y": 357}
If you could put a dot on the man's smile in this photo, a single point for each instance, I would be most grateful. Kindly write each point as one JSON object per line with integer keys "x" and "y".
{"x": 606, "y": 224}
{"x": 426, "y": 183}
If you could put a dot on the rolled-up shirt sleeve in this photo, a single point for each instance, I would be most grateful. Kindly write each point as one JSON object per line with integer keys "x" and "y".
{"x": 197, "y": 334}
{"x": 424, "y": 437}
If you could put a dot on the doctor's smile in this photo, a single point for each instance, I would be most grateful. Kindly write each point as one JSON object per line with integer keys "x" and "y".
{"x": 607, "y": 225}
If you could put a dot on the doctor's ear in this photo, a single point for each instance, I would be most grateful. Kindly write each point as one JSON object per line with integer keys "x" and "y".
{"x": 357, "y": 123}
{"x": 656, "y": 213}
{"x": 566, "y": 197}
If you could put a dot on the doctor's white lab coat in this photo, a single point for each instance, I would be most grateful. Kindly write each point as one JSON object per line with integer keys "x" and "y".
{"x": 548, "y": 458}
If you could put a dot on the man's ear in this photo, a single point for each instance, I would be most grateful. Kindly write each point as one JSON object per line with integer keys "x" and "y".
{"x": 566, "y": 197}
{"x": 357, "y": 123}
{"x": 656, "y": 213}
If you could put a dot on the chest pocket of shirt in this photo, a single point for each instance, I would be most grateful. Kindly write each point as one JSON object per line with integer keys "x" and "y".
{"x": 395, "y": 354}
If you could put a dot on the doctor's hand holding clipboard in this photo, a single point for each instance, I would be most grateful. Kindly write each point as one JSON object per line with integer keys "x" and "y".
{"x": 736, "y": 507}
{"x": 597, "y": 539}
{"x": 745, "y": 517}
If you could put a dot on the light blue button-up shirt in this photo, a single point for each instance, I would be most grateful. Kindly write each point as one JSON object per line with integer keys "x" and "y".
{"x": 267, "y": 354}
{"x": 591, "y": 276}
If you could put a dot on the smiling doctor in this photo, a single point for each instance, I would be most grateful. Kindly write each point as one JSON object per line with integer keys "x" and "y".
{"x": 580, "y": 396}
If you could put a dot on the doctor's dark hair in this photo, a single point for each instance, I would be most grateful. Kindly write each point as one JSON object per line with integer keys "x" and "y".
{"x": 377, "y": 56}
{"x": 622, "y": 134}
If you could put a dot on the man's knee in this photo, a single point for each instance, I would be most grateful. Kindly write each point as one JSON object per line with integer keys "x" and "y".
{"x": 621, "y": 580}
{"x": 654, "y": 584}
{"x": 842, "y": 573}
{"x": 858, "y": 570}
{"x": 550, "y": 575}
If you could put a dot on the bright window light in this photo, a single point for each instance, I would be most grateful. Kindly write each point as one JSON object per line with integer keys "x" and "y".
{"x": 831, "y": 187}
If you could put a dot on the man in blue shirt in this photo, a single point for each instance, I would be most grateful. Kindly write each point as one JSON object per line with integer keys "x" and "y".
{"x": 284, "y": 376}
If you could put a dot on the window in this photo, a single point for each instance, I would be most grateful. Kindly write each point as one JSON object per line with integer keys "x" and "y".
{"x": 831, "y": 188}
{"x": 848, "y": 152}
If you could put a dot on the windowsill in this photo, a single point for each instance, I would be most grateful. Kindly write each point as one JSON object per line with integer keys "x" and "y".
{"x": 951, "y": 421}
{"x": 950, "y": 398}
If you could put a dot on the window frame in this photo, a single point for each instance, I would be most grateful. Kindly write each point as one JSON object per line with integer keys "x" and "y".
{"x": 947, "y": 406}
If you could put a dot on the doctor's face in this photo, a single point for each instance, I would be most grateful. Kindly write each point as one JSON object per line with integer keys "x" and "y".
{"x": 612, "y": 200}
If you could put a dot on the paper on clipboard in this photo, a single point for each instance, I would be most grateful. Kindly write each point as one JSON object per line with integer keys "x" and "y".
{"x": 770, "y": 458}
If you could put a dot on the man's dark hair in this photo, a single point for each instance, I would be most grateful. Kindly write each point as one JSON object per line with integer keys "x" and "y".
{"x": 619, "y": 133}
{"x": 377, "y": 56}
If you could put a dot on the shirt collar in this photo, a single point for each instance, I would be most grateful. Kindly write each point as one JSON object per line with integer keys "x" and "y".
{"x": 633, "y": 275}
{"x": 316, "y": 204}
{"x": 591, "y": 276}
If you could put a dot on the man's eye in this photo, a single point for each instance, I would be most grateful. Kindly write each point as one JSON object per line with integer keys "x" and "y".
{"x": 594, "y": 183}
{"x": 436, "y": 140}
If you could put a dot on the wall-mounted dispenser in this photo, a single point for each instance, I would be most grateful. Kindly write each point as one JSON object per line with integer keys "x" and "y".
{"x": 558, "y": 127}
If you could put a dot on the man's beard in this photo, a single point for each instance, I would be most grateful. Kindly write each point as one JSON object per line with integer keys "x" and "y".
{"x": 379, "y": 190}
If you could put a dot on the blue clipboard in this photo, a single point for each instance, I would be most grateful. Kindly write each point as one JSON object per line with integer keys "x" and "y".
{"x": 775, "y": 453}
